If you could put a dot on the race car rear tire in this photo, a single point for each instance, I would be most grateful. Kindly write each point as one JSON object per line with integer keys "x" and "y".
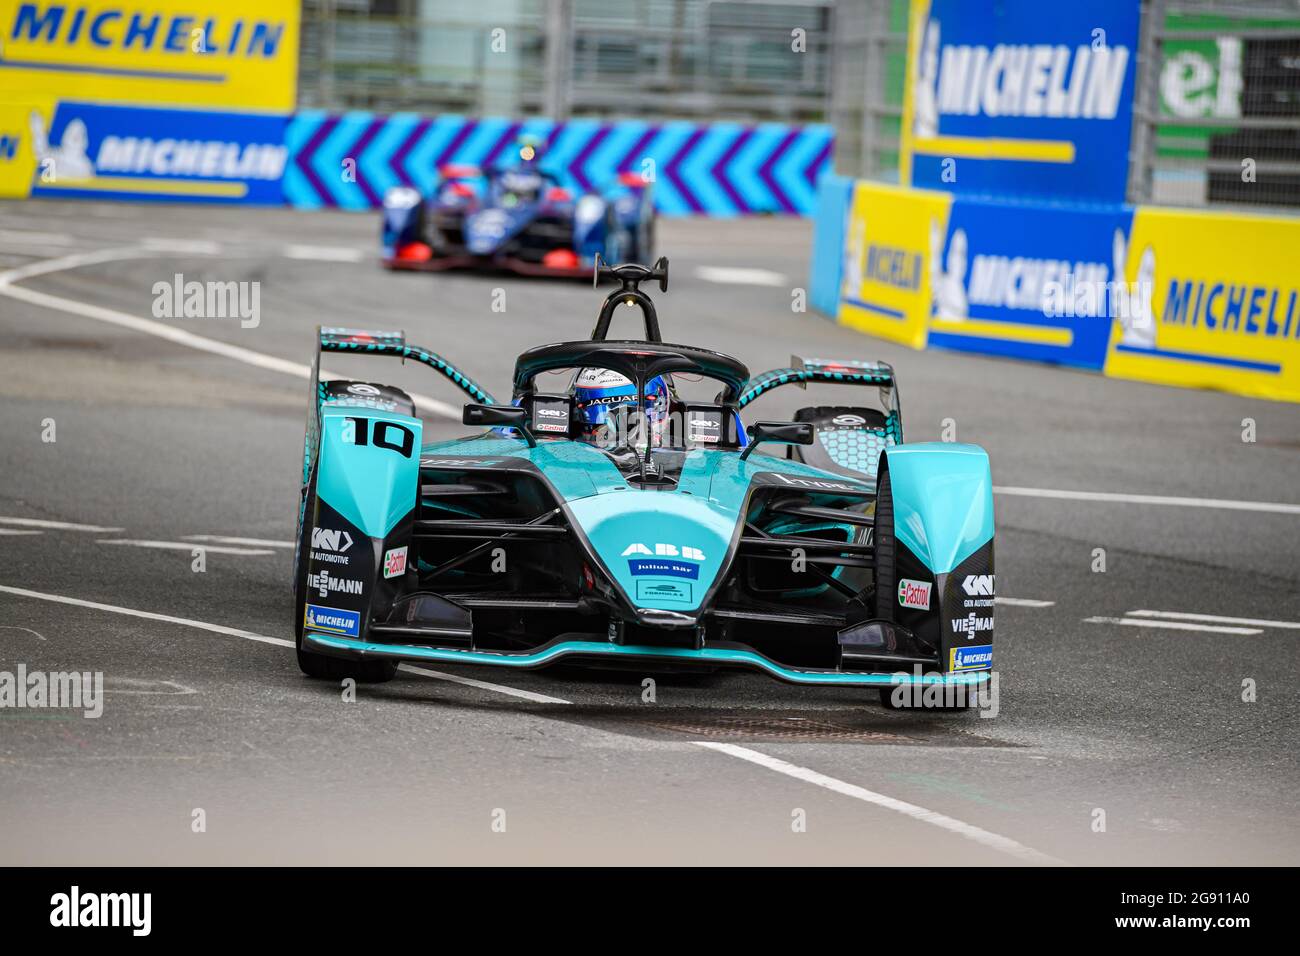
{"x": 322, "y": 666}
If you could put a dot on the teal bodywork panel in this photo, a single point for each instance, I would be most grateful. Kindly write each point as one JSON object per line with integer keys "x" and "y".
{"x": 943, "y": 501}
{"x": 644, "y": 538}
{"x": 371, "y": 484}
{"x": 664, "y": 548}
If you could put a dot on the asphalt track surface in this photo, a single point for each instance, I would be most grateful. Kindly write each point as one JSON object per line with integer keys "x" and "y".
{"x": 159, "y": 438}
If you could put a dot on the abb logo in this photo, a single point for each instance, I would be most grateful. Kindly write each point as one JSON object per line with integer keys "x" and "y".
{"x": 665, "y": 551}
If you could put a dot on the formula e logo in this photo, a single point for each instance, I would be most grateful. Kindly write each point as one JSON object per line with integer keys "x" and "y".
{"x": 914, "y": 594}
{"x": 978, "y": 585}
{"x": 325, "y": 539}
{"x": 361, "y": 388}
{"x": 848, "y": 421}
{"x": 665, "y": 551}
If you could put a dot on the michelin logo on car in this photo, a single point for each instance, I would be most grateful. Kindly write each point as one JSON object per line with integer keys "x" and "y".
{"x": 331, "y": 620}
{"x": 976, "y": 658}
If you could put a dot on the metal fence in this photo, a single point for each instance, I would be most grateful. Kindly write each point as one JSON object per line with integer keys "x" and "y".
{"x": 652, "y": 59}
{"x": 1217, "y": 109}
{"x": 869, "y": 62}
{"x": 1216, "y": 115}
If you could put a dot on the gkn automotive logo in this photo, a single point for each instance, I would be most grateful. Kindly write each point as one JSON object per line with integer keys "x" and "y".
{"x": 978, "y": 585}
{"x": 326, "y": 539}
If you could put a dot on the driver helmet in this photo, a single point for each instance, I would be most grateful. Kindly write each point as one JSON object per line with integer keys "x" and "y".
{"x": 598, "y": 392}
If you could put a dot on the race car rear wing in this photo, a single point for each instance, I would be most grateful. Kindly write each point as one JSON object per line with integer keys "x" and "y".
{"x": 363, "y": 342}
{"x": 834, "y": 372}
{"x": 804, "y": 370}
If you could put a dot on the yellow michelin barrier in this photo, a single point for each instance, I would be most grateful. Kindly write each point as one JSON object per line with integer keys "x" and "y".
{"x": 1190, "y": 298}
{"x": 1225, "y": 303}
{"x": 888, "y": 247}
{"x": 240, "y": 54}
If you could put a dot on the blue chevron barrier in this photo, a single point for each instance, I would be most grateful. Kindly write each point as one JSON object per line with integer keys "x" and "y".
{"x": 348, "y": 160}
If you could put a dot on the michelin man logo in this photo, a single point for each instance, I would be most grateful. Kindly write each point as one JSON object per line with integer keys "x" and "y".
{"x": 925, "y": 97}
{"x": 948, "y": 281}
{"x": 1130, "y": 302}
{"x": 66, "y": 160}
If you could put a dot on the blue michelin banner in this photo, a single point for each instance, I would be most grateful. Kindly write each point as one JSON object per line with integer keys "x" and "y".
{"x": 1031, "y": 281}
{"x": 1022, "y": 97}
{"x": 96, "y": 151}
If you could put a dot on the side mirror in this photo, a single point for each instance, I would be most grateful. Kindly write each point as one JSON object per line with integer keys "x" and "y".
{"x": 787, "y": 433}
{"x": 508, "y": 416}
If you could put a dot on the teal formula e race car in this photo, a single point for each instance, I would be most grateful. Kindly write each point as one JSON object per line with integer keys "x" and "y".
{"x": 631, "y": 514}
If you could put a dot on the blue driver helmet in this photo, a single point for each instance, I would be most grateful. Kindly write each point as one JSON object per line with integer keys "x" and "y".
{"x": 598, "y": 392}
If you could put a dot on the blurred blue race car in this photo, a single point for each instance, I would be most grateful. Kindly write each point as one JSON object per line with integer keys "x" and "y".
{"x": 518, "y": 218}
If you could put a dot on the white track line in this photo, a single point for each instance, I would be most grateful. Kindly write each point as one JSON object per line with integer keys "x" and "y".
{"x": 1171, "y": 625}
{"x": 147, "y": 615}
{"x": 484, "y": 685}
{"x": 225, "y": 539}
{"x": 160, "y": 329}
{"x": 183, "y": 546}
{"x": 1214, "y": 618}
{"x": 57, "y": 525}
{"x": 17, "y": 531}
{"x": 47, "y": 238}
{"x": 74, "y": 261}
{"x": 1022, "y": 602}
{"x": 325, "y": 253}
{"x": 263, "y": 639}
{"x": 173, "y": 246}
{"x": 1222, "y": 503}
{"x": 974, "y": 833}
{"x": 739, "y": 275}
